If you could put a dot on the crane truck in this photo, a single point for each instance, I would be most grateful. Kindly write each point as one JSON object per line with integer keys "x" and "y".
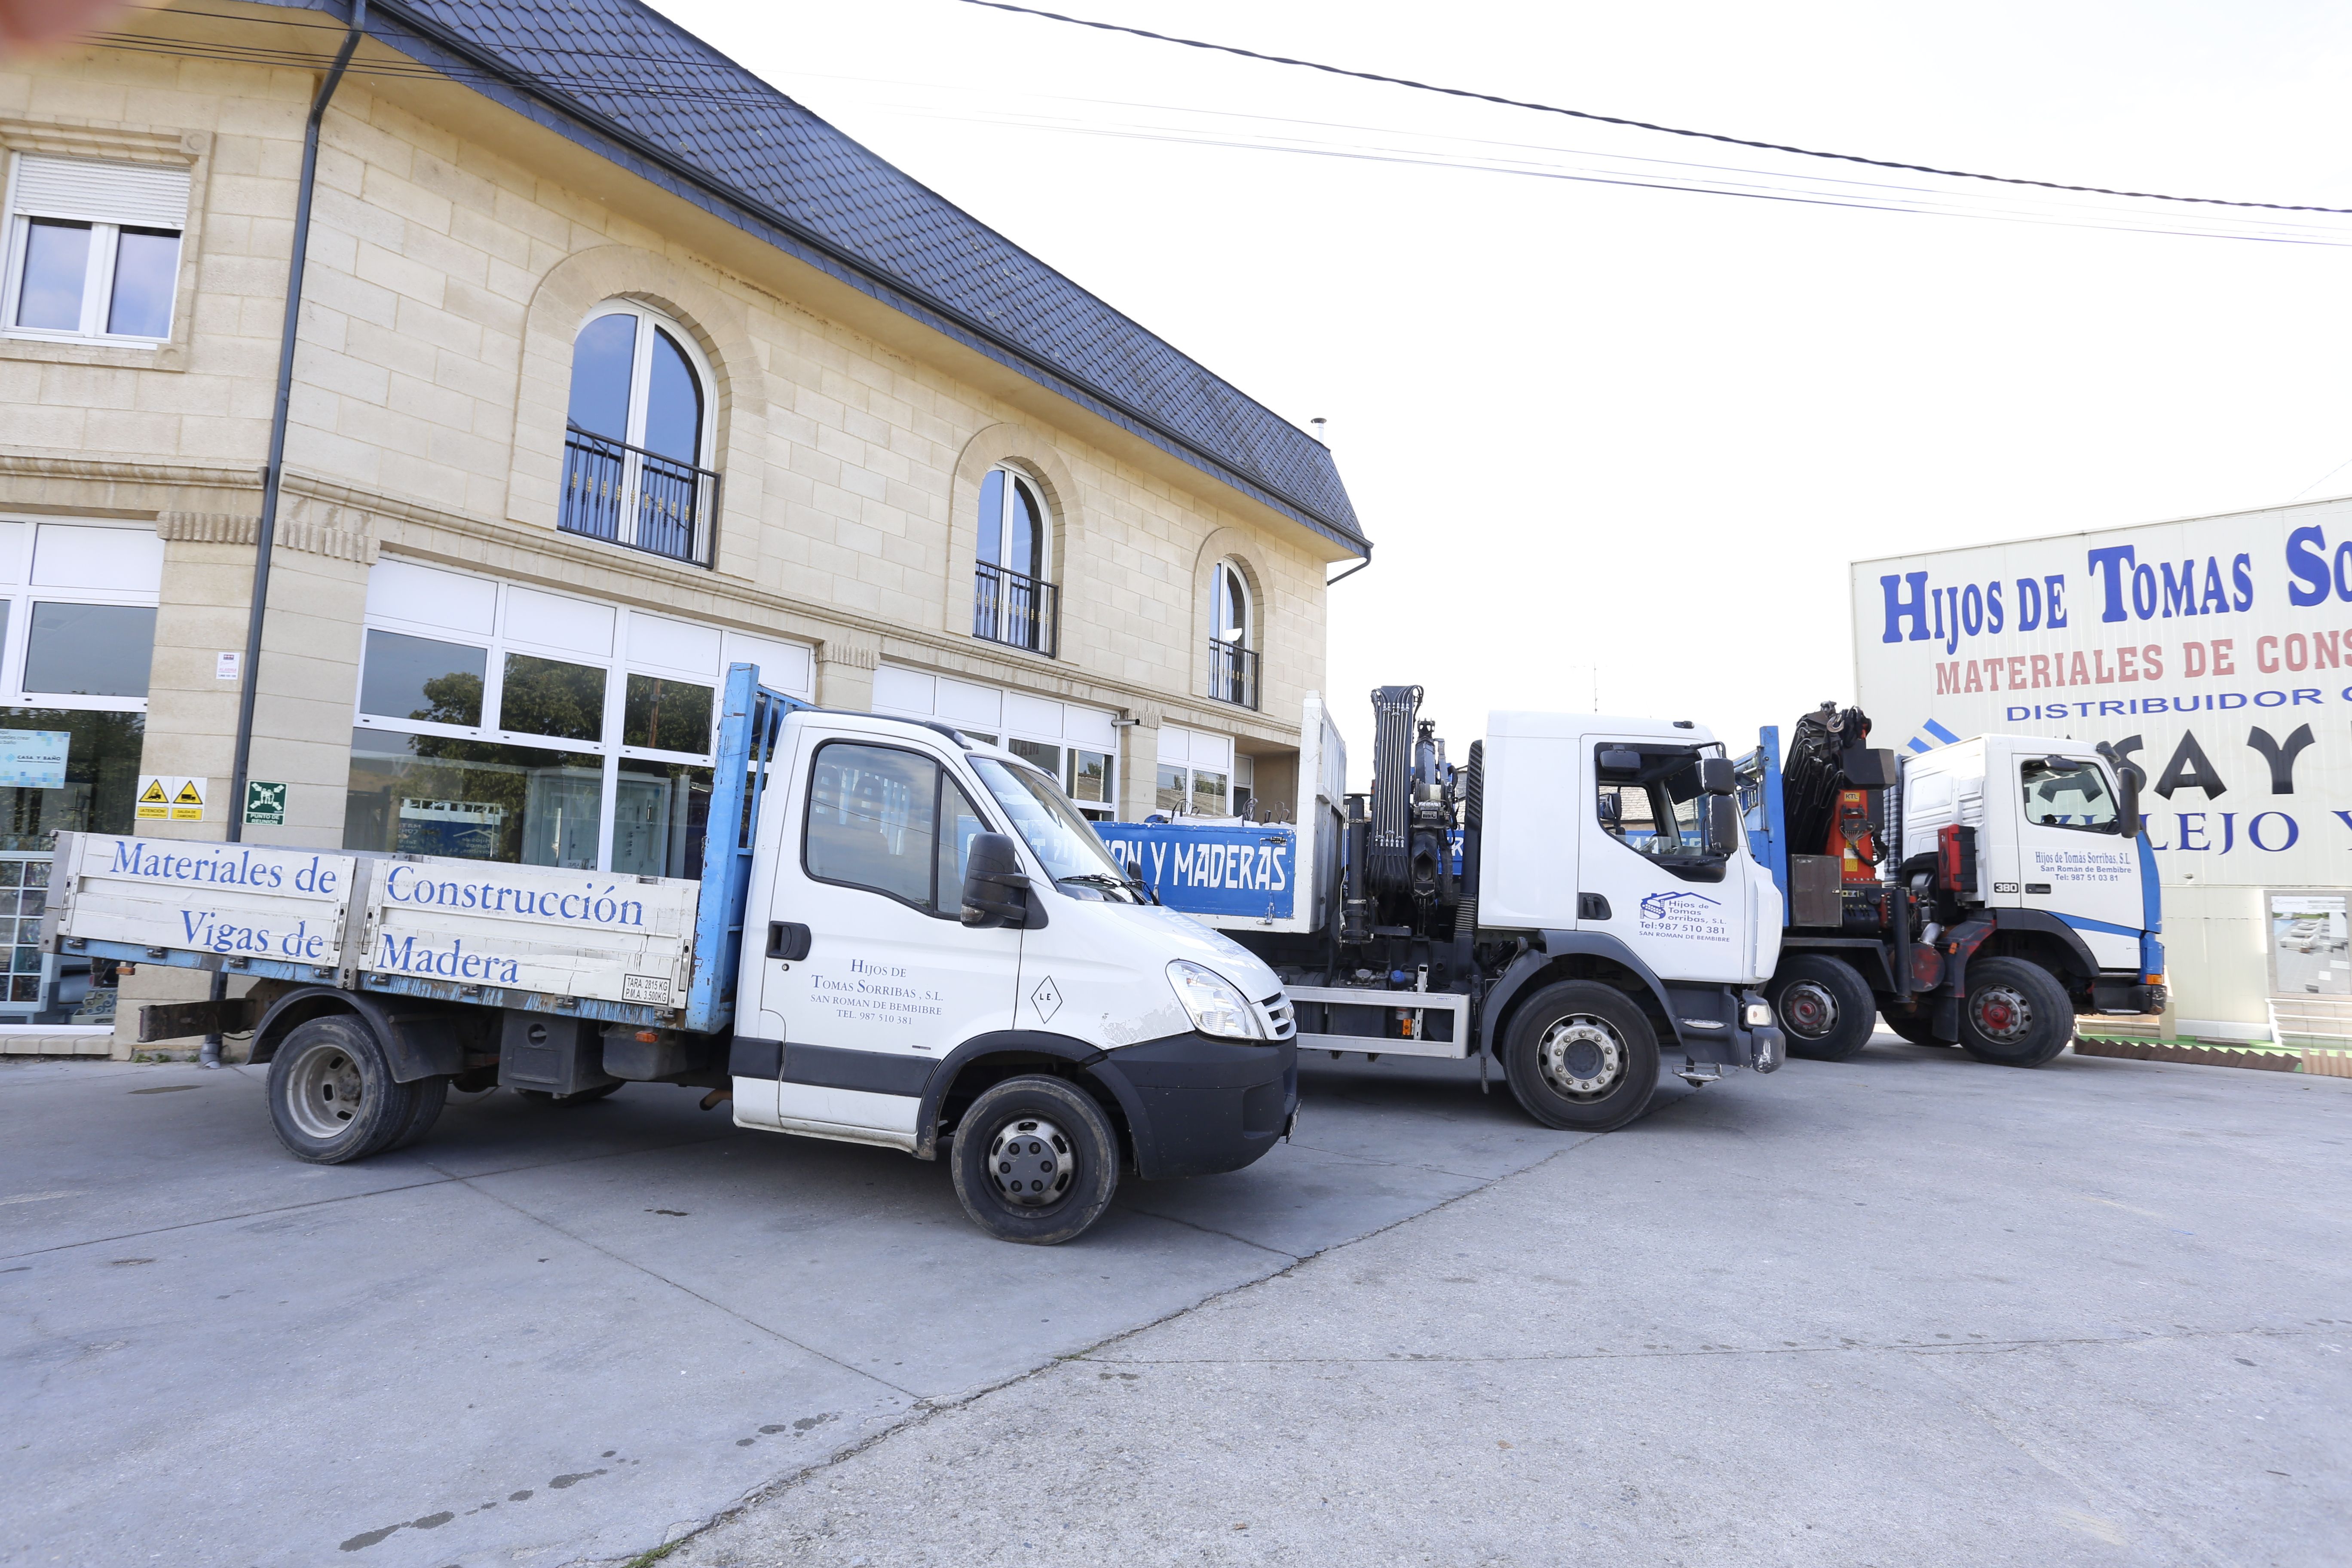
{"x": 1574, "y": 905}
{"x": 898, "y": 937}
{"x": 1981, "y": 895}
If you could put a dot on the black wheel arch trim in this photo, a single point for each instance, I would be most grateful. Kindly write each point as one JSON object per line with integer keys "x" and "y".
{"x": 1557, "y": 944}
{"x": 1033, "y": 1042}
{"x": 2042, "y": 923}
{"x": 415, "y": 1044}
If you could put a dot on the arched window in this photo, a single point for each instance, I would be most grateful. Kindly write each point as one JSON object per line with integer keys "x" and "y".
{"x": 1011, "y": 600}
{"x": 637, "y": 438}
{"x": 1233, "y": 652}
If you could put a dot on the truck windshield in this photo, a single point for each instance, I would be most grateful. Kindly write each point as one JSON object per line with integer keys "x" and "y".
{"x": 1072, "y": 856}
{"x": 2065, "y": 791}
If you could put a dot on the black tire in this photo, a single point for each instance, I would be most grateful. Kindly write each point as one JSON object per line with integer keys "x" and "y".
{"x": 331, "y": 1097}
{"x": 1912, "y": 1027}
{"x": 432, "y": 1095}
{"x": 1581, "y": 1057}
{"x": 1824, "y": 1008}
{"x": 1044, "y": 1134}
{"x": 2016, "y": 1014}
{"x": 577, "y": 1097}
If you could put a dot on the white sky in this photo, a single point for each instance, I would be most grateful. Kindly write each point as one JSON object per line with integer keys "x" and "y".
{"x": 1644, "y": 431}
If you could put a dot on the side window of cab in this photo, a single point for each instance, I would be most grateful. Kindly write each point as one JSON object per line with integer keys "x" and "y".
{"x": 890, "y": 822}
{"x": 2061, "y": 791}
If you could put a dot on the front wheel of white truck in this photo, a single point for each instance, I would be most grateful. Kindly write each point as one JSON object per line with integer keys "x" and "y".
{"x": 1581, "y": 1057}
{"x": 1036, "y": 1160}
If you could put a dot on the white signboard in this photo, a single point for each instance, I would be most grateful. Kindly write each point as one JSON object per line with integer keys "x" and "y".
{"x": 34, "y": 759}
{"x": 238, "y": 900}
{"x": 2216, "y": 652}
{"x": 590, "y": 934}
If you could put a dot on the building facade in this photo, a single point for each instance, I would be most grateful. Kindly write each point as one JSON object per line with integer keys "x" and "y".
{"x": 614, "y": 367}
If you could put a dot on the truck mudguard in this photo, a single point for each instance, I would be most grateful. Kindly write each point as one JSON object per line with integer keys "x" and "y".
{"x": 1557, "y": 944}
{"x": 1031, "y": 1042}
{"x": 2042, "y": 922}
{"x": 416, "y": 1044}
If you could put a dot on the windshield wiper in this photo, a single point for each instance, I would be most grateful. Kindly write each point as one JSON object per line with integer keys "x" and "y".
{"x": 1098, "y": 879}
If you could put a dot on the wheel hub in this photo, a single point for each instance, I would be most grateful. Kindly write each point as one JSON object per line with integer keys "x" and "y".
{"x": 326, "y": 1090}
{"x": 1031, "y": 1161}
{"x": 1581, "y": 1057}
{"x": 2002, "y": 1013}
{"x": 1809, "y": 1010}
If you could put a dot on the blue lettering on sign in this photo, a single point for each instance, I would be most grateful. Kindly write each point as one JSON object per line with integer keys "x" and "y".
{"x": 1250, "y": 872}
{"x": 410, "y": 956}
{"x": 406, "y": 884}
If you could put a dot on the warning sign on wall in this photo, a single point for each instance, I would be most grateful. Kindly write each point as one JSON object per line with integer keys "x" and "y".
{"x": 168, "y": 797}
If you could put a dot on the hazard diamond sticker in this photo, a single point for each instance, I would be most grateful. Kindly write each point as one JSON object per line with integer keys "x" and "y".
{"x": 1045, "y": 999}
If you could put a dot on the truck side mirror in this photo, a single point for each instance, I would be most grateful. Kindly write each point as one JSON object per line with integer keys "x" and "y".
{"x": 1722, "y": 825}
{"x": 2129, "y": 777}
{"x": 1717, "y": 775}
{"x": 995, "y": 889}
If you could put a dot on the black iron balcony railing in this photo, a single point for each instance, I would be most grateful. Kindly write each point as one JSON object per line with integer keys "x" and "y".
{"x": 1009, "y": 607}
{"x": 1232, "y": 673}
{"x": 626, "y": 495}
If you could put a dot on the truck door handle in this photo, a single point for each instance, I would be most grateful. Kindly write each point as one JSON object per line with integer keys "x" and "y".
{"x": 788, "y": 940}
{"x": 1592, "y": 906}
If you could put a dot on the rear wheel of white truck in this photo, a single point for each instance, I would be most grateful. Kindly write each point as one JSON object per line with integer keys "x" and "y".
{"x": 2016, "y": 1014}
{"x": 1036, "y": 1160}
{"x": 1581, "y": 1057}
{"x": 331, "y": 1097}
{"x": 1823, "y": 1006}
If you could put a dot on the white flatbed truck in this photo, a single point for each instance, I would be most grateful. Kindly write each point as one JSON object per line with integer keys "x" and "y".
{"x": 899, "y": 937}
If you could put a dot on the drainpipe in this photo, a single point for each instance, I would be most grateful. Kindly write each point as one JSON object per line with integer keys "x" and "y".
{"x": 273, "y": 478}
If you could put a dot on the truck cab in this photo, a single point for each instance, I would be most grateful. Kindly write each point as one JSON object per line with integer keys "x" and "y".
{"x": 876, "y": 1009}
{"x": 1980, "y": 895}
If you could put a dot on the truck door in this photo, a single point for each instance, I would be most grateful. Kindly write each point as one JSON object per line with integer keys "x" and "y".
{"x": 1673, "y": 897}
{"x": 892, "y": 980}
{"x": 2071, "y": 861}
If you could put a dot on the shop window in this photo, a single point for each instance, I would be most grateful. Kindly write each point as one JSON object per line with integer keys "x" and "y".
{"x": 92, "y": 249}
{"x": 503, "y": 740}
{"x": 91, "y": 651}
{"x": 638, "y": 442}
{"x": 1012, "y": 602}
{"x": 77, "y": 637}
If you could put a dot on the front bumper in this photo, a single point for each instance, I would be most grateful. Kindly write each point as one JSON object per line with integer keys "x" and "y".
{"x": 1197, "y": 1106}
{"x": 1711, "y": 1026}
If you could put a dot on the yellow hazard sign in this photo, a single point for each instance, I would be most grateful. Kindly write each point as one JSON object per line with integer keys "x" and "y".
{"x": 170, "y": 798}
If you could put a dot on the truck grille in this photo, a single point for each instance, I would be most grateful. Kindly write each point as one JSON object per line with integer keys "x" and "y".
{"x": 1281, "y": 1018}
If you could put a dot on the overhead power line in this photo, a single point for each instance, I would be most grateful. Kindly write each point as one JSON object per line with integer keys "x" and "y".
{"x": 1633, "y": 124}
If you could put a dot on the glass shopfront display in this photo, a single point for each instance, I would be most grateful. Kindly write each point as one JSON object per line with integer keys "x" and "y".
{"x": 499, "y": 722}
{"x": 77, "y": 637}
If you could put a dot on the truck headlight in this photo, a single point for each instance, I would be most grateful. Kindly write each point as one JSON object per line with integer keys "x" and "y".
{"x": 1216, "y": 1004}
{"x": 1759, "y": 1015}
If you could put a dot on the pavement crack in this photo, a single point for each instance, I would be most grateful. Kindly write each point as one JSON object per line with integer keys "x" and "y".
{"x": 440, "y": 1179}
{"x": 682, "y": 1289}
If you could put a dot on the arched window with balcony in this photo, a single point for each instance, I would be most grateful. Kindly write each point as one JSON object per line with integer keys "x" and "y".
{"x": 638, "y": 442}
{"x": 1233, "y": 637}
{"x": 1013, "y": 601}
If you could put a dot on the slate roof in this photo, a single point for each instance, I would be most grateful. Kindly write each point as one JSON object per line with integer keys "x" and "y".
{"x": 654, "y": 98}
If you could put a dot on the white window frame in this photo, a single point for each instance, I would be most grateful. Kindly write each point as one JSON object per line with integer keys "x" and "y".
{"x": 98, "y": 278}
{"x": 1016, "y": 475}
{"x": 617, "y": 667}
{"x": 641, "y": 375}
{"x": 18, "y": 591}
{"x": 1245, "y": 635}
